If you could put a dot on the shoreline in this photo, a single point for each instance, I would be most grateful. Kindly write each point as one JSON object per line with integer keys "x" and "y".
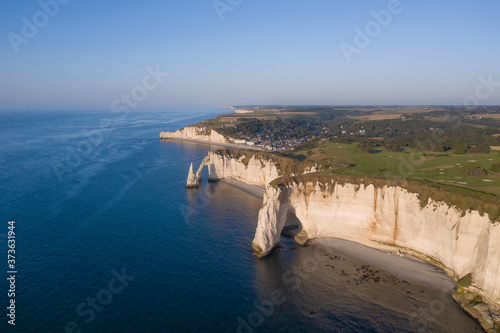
{"x": 220, "y": 144}
{"x": 410, "y": 267}
{"x": 254, "y": 190}
{"x": 417, "y": 270}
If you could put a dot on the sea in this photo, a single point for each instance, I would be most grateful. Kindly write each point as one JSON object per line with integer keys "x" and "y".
{"x": 108, "y": 239}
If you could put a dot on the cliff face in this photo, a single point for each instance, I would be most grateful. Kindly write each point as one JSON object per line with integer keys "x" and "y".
{"x": 195, "y": 133}
{"x": 463, "y": 242}
{"x": 255, "y": 171}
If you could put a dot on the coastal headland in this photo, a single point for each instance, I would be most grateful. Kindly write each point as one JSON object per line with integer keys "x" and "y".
{"x": 353, "y": 189}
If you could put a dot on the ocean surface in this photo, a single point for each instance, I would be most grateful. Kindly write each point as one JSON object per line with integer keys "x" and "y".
{"x": 108, "y": 239}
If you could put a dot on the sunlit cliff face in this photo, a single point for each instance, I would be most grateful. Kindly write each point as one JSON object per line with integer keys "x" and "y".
{"x": 463, "y": 242}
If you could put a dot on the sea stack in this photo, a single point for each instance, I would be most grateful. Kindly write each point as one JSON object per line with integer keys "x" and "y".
{"x": 192, "y": 180}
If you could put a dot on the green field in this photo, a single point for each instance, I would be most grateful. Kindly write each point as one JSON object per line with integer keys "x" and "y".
{"x": 409, "y": 164}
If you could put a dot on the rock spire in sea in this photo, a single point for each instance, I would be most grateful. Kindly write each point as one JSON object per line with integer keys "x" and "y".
{"x": 192, "y": 180}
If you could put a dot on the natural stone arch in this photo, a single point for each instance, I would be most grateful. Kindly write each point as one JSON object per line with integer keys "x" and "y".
{"x": 194, "y": 180}
{"x": 212, "y": 171}
{"x": 293, "y": 225}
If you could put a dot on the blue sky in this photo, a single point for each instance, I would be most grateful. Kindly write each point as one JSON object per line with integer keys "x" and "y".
{"x": 263, "y": 52}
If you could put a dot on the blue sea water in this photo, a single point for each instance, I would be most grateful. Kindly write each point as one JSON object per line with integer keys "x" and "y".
{"x": 108, "y": 239}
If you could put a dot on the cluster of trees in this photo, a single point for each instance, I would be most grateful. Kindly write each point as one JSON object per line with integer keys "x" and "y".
{"x": 307, "y": 145}
{"x": 392, "y": 128}
{"x": 471, "y": 141}
{"x": 476, "y": 172}
{"x": 462, "y": 112}
{"x": 495, "y": 167}
{"x": 488, "y": 122}
{"x": 478, "y": 149}
{"x": 368, "y": 147}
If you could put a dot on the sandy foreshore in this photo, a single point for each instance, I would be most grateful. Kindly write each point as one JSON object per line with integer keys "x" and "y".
{"x": 256, "y": 191}
{"x": 218, "y": 144}
{"x": 409, "y": 268}
{"x": 347, "y": 279}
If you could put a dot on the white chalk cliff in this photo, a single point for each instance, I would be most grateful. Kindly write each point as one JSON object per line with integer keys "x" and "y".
{"x": 195, "y": 133}
{"x": 255, "y": 171}
{"x": 464, "y": 242}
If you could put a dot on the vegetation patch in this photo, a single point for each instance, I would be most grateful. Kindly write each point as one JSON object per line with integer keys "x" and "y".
{"x": 495, "y": 167}
{"x": 462, "y": 198}
{"x": 476, "y": 172}
{"x": 477, "y": 299}
{"x": 465, "y": 281}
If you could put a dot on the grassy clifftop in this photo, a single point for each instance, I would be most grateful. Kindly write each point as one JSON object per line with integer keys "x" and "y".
{"x": 407, "y": 163}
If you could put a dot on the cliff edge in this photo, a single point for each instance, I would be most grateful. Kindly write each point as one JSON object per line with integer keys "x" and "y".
{"x": 195, "y": 133}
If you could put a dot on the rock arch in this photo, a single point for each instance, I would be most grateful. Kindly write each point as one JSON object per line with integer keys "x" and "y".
{"x": 194, "y": 179}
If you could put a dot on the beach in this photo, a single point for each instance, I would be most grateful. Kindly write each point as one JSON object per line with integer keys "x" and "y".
{"x": 256, "y": 191}
{"x": 409, "y": 268}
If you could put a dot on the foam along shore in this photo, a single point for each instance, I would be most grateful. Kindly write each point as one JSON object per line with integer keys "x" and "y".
{"x": 400, "y": 264}
{"x": 256, "y": 191}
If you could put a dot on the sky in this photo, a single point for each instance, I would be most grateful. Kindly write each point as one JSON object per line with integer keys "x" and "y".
{"x": 60, "y": 54}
